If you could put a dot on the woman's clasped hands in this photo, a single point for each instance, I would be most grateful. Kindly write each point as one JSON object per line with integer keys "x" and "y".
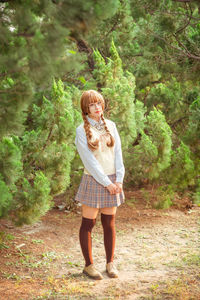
{"x": 114, "y": 188}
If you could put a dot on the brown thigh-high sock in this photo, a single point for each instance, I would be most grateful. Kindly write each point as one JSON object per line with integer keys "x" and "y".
{"x": 108, "y": 222}
{"x": 86, "y": 239}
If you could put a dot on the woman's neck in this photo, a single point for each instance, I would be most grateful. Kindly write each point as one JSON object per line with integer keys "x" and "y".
{"x": 97, "y": 119}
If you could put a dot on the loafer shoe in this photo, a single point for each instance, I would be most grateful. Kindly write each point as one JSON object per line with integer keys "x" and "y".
{"x": 111, "y": 270}
{"x": 92, "y": 272}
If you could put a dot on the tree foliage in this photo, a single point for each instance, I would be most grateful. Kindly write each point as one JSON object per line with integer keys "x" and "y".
{"x": 36, "y": 166}
{"x": 142, "y": 56}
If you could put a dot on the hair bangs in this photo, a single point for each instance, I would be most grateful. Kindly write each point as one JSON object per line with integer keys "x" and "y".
{"x": 89, "y": 97}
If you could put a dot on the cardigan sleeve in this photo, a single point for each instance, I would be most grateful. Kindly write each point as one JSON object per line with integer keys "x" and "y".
{"x": 119, "y": 165}
{"x": 89, "y": 161}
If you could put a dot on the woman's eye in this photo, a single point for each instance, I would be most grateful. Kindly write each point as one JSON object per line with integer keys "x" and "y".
{"x": 92, "y": 105}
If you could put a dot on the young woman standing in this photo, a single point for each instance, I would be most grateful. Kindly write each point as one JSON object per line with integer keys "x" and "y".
{"x": 99, "y": 147}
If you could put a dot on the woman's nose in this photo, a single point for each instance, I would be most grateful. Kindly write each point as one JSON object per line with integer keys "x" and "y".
{"x": 97, "y": 104}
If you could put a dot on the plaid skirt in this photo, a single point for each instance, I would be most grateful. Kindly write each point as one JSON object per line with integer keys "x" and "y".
{"x": 93, "y": 194}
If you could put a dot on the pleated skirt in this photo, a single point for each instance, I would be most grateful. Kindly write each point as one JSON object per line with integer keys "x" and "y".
{"x": 93, "y": 194}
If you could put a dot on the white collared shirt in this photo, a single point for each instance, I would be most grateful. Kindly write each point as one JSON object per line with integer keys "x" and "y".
{"x": 89, "y": 160}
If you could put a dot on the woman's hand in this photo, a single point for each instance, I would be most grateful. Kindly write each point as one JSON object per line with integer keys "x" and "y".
{"x": 119, "y": 187}
{"x": 112, "y": 188}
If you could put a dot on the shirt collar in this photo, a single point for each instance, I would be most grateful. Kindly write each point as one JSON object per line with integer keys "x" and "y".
{"x": 93, "y": 122}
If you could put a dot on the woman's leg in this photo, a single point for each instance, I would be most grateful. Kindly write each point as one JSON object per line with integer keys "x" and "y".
{"x": 89, "y": 215}
{"x": 108, "y": 223}
{"x": 89, "y": 212}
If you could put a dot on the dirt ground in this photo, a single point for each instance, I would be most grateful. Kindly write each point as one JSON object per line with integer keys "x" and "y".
{"x": 157, "y": 255}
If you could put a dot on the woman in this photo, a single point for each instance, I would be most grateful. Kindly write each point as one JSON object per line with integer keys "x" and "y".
{"x": 99, "y": 147}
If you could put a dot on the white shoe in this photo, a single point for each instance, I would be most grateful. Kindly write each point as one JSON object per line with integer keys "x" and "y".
{"x": 111, "y": 270}
{"x": 92, "y": 272}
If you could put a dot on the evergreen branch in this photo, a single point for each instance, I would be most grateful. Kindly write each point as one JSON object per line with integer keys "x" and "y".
{"x": 183, "y": 1}
{"x": 188, "y": 22}
{"x": 48, "y": 138}
{"x": 172, "y": 125}
{"x": 190, "y": 55}
{"x": 24, "y": 34}
{"x": 83, "y": 47}
{"x": 139, "y": 54}
{"x": 178, "y": 14}
{"x": 137, "y": 141}
{"x": 44, "y": 146}
{"x": 173, "y": 14}
{"x": 195, "y": 24}
{"x": 112, "y": 29}
{"x": 117, "y": 22}
{"x": 157, "y": 81}
{"x": 3, "y": 74}
{"x": 181, "y": 44}
{"x": 183, "y": 53}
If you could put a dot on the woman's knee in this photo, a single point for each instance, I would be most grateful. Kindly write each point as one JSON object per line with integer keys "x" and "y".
{"x": 108, "y": 217}
{"x": 109, "y": 210}
{"x": 89, "y": 212}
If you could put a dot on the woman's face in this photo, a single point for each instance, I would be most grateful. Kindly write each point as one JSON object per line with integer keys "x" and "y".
{"x": 95, "y": 110}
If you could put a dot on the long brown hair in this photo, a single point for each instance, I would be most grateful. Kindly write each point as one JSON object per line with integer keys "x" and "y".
{"x": 88, "y": 97}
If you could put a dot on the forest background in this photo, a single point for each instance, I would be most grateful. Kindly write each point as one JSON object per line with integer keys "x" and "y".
{"x": 143, "y": 56}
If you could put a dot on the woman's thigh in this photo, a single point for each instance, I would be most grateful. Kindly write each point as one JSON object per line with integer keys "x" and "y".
{"x": 89, "y": 212}
{"x": 108, "y": 210}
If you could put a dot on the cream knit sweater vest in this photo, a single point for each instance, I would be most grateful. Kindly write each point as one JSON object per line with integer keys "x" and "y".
{"x": 104, "y": 154}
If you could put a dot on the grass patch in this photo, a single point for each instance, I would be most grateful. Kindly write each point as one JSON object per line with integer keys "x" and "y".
{"x": 131, "y": 202}
{"x": 37, "y": 241}
{"x": 145, "y": 265}
{"x": 182, "y": 288}
{"x": 162, "y": 198}
{"x": 192, "y": 259}
{"x": 12, "y": 276}
{"x": 66, "y": 289}
{"x": 4, "y": 239}
{"x": 189, "y": 260}
{"x": 117, "y": 290}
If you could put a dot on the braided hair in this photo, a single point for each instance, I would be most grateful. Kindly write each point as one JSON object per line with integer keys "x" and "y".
{"x": 88, "y": 97}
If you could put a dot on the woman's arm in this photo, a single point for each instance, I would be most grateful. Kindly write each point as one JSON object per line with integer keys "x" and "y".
{"x": 119, "y": 165}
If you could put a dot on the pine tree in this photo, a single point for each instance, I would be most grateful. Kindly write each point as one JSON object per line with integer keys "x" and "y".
{"x": 181, "y": 173}
{"x": 149, "y": 78}
{"x": 118, "y": 88}
{"x": 11, "y": 171}
{"x": 158, "y": 43}
{"x": 37, "y": 165}
{"x": 36, "y": 39}
{"x": 152, "y": 154}
{"x": 146, "y": 140}
{"x": 38, "y": 47}
{"x": 48, "y": 149}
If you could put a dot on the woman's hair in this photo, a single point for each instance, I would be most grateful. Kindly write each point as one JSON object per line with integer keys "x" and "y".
{"x": 88, "y": 97}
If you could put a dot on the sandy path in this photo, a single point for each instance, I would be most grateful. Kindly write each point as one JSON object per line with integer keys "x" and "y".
{"x": 157, "y": 255}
